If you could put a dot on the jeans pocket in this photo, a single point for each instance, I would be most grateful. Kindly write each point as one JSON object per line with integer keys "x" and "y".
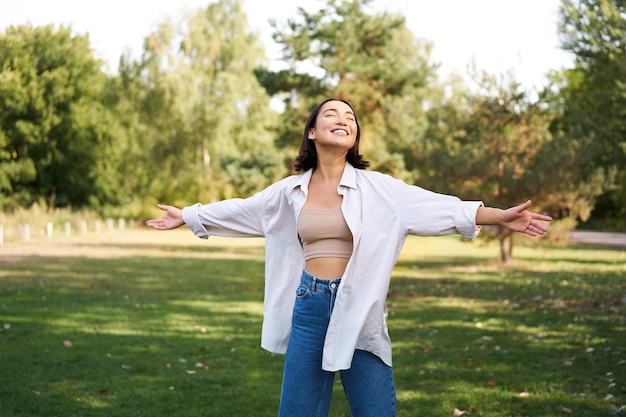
{"x": 302, "y": 292}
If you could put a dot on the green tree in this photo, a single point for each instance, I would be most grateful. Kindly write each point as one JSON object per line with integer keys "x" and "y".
{"x": 594, "y": 94}
{"x": 53, "y": 124}
{"x": 373, "y": 60}
{"x": 496, "y": 145}
{"x": 488, "y": 145}
{"x": 204, "y": 120}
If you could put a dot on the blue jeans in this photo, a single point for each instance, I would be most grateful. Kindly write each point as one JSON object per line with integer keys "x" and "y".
{"x": 307, "y": 389}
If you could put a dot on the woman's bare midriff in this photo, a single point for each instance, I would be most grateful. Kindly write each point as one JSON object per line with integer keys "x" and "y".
{"x": 328, "y": 268}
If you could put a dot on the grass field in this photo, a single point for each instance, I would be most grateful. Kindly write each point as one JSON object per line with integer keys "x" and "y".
{"x": 147, "y": 323}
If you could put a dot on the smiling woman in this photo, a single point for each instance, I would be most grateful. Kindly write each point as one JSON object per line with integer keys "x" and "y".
{"x": 338, "y": 118}
{"x": 333, "y": 234}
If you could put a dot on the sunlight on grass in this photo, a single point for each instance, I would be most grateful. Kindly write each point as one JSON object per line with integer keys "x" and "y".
{"x": 255, "y": 308}
{"x": 151, "y": 323}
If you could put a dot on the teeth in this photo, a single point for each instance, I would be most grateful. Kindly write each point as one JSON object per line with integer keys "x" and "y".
{"x": 340, "y": 131}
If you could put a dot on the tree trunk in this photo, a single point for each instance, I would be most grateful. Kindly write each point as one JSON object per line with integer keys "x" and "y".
{"x": 506, "y": 253}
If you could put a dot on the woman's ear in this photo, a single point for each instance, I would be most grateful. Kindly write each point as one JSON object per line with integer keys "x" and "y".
{"x": 312, "y": 134}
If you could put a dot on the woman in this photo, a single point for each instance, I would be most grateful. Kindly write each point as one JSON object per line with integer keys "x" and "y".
{"x": 333, "y": 234}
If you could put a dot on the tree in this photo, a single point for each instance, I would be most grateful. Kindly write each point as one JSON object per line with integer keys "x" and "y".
{"x": 487, "y": 149}
{"x": 593, "y": 96}
{"x": 204, "y": 120}
{"x": 496, "y": 145}
{"x": 52, "y": 130}
{"x": 373, "y": 60}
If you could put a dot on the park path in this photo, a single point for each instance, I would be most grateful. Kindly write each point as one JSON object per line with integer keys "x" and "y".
{"x": 617, "y": 240}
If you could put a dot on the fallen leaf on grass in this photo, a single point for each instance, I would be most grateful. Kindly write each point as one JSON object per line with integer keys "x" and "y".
{"x": 524, "y": 394}
{"x": 566, "y": 410}
{"x": 456, "y": 412}
{"x": 471, "y": 362}
{"x": 67, "y": 343}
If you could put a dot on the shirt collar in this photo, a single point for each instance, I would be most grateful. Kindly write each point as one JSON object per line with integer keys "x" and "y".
{"x": 348, "y": 179}
{"x": 303, "y": 181}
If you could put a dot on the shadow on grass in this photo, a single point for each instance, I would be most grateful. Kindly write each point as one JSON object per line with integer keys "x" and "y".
{"x": 179, "y": 335}
{"x": 135, "y": 336}
{"x": 512, "y": 343}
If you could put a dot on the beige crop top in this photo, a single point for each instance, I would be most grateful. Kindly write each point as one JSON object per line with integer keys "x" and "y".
{"x": 324, "y": 233}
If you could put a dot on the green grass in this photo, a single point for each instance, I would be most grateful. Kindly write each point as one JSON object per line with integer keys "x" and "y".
{"x": 147, "y": 323}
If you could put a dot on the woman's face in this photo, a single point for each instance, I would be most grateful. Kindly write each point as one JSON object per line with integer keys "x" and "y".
{"x": 335, "y": 126}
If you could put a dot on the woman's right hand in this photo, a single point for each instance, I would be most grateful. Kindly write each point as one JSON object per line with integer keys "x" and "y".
{"x": 172, "y": 218}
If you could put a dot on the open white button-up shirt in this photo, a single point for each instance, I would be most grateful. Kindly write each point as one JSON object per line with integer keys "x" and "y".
{"x": 380, "y": 212}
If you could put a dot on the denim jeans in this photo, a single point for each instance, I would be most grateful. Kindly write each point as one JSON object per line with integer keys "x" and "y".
{"x": 307, "y": 389}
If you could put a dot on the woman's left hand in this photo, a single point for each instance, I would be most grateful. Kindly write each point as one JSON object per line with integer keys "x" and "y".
{"x": 519, "y": 219}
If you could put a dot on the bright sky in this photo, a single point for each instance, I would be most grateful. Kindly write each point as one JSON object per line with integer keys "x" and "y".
{"x": 498, "y": 35}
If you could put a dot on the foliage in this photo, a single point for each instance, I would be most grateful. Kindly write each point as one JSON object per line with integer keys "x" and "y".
{"x": 200, "y": 105}
{"x": 53, "y": 126}
{"x": 372, "y": 60}
{"x": 594, "y": 94}
{"x": 490, "y": 143}
{"x": 191, "y": 119}
{"x": 485, "y": 146}
{"x": 159, "y": 324}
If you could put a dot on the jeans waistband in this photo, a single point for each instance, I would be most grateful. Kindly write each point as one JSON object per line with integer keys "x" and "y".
{"x": 319, "y": 284}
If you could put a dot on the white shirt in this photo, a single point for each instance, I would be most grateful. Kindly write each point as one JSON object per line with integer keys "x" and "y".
{"x": 380, "y": 212}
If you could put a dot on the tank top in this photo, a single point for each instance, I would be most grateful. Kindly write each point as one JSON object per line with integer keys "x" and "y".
{"x": 324, "y": 233}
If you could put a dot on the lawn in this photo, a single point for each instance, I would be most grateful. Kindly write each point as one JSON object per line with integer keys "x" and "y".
{"x": 147, "y": 323}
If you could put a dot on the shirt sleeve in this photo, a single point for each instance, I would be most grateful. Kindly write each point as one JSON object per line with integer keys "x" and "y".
{"x": 230, "y": 218}
{"x": 427, "y": 213}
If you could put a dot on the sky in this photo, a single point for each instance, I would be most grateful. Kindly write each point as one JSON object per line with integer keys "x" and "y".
{"x": 498, "y": 35}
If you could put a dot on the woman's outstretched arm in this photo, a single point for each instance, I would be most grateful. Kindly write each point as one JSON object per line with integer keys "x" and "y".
{"x": 517, "y": 219}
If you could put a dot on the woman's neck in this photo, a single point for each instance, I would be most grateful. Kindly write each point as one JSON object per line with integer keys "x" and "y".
{"x": 329, "y": 171}
{"x": 323, "y": 188}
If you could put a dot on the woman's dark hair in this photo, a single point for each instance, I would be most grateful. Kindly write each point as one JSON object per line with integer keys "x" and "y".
{"x": 307, "y": 157}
